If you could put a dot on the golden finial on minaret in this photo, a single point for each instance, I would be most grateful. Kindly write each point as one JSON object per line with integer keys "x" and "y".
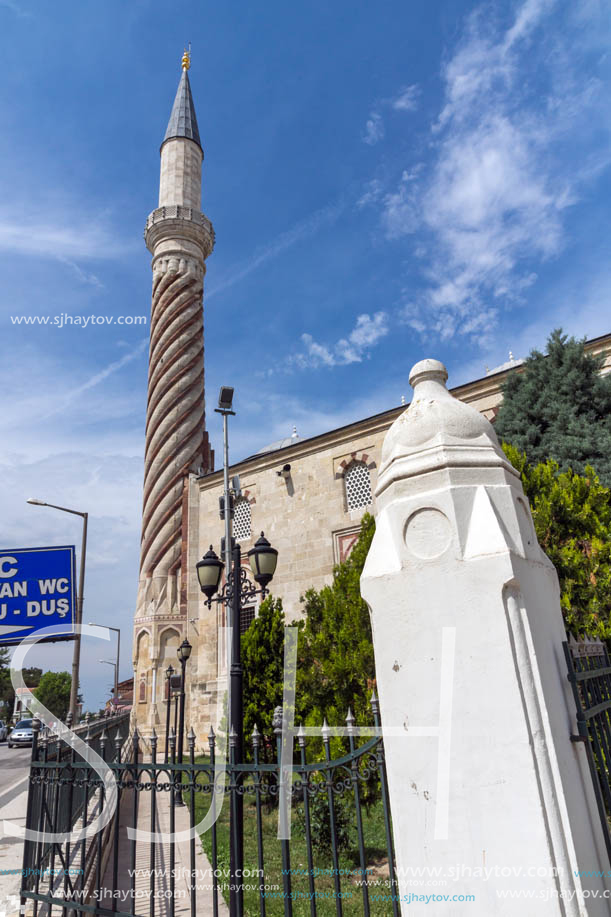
{"x": 186, "y": 58}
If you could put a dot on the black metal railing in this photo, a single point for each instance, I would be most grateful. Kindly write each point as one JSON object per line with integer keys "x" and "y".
{"x": 589, "y": 669}
{"x": 340, "y": 827}
{"x": 62, "y": 796}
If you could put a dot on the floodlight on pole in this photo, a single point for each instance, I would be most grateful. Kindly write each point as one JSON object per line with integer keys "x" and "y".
{"x": 225, "y": 405}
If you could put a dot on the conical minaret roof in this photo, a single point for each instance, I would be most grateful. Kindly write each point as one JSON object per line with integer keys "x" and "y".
{"x": 183, "y": 122}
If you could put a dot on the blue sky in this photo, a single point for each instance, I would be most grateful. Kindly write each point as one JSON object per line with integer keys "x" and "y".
{"x": 419, "y": 179}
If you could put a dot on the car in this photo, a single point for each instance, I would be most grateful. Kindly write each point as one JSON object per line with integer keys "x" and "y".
{"x": 3, "y": 731}
{"x": 22, "y": 734}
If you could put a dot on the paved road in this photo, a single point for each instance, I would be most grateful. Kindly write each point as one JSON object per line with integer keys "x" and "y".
{"x": 14, "y": 766}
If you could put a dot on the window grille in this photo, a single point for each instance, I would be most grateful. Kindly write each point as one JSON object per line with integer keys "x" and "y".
{"x": 241, "y": 519}
{"x": 247, "y": 616}
{"x": 358, "y": 485}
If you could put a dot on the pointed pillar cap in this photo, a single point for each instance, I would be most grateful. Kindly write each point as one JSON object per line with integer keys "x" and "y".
{"x": 437, "y": 431}
{"x": 183, "y": 121}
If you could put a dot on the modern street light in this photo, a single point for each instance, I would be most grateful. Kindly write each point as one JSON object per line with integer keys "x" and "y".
{"x": 184, "y": 651}
{"x": 109, "y": 662}
{"x": 76, "y": 653}
{"x": 237, "y": 590}
{"x": 117, "y": 630}
{"x": 225, "y": 407}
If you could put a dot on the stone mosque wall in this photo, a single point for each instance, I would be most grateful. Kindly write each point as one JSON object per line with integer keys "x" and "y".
{"x": 312, "y": 517}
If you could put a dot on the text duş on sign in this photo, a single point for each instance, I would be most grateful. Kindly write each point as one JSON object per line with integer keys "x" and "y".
{"x": 37, "y": 590}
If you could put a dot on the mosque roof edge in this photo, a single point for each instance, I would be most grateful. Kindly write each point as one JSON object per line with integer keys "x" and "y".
{"x": 476, "y": 389}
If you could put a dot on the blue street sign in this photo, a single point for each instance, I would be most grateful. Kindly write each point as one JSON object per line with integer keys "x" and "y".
{"x": 37, "y": 590}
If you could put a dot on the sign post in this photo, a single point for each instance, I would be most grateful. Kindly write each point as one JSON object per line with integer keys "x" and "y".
{"x": 37, "y": 589}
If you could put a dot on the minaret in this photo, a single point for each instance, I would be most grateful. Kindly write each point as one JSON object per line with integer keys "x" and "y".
{"x": 180, "y": 238}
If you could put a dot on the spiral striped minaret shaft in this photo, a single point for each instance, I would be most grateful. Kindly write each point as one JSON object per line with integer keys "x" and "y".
{"x": 180, "y": 238}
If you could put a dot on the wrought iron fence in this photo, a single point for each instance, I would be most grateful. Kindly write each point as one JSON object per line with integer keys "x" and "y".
{"x": 589, "y": 670}
{"x": 332, "y": 800}
{"x": 61, "y": 798}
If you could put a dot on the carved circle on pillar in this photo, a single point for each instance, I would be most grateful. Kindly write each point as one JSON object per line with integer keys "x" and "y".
{"x": 428, "y": 533}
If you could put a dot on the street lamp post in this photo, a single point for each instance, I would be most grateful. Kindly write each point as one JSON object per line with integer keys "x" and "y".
{"x": 76, "y": 653}
{"x": 237, "y": 590}
{"x": 176, "y": 699}
{"x": 168, "y": 674}
{"x": 117, "y": 630}
{"x": 184, "y": 651}
{"x": 110, "y": 662}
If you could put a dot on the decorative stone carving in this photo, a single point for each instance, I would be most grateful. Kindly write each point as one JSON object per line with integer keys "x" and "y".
{"x": 468, "y": 634}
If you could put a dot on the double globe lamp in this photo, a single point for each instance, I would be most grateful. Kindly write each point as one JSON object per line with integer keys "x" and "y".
{"x": 262, "y": 558}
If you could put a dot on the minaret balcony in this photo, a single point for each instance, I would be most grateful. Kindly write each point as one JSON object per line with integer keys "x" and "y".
{"x": 174, "y": 221}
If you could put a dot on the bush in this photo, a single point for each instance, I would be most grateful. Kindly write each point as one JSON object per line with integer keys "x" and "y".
{"x": 572, "y": 519}
{"x": 320, "y": 821}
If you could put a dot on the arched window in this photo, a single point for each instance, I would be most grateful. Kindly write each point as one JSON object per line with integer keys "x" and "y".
{"x": 241, "y": 519}
{"x": 358, "y": 485}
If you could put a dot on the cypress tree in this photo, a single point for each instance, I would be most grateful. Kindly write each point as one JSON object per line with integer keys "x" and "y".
{"x": 336, "y": 667}
{"x": 262, "y": 652}
{"x": 559, "y": 406}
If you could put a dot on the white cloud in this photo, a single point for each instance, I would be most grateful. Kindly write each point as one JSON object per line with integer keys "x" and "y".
{"x": 42, "y": 391}
{"x": 351, "y": 349}
{"x": 105, "y": 372}
{"x": 400, "y": 214}
{"x": 371, "y": 194}
{"x": 16, "y": 7}
{"x": 407, "y": 99}
{"x": 492, "y": 199}
{"x": 374, "y": 129}
{"x": 66, "y": 238}
{"x": 84, "y": 276}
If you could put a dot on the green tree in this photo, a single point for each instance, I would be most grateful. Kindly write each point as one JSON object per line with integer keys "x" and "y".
{"x": 335, "y": 664}
{"x": 559, "y": 407}
{"x": 7, "y": 693}
{"x": 572, "y": 518}
{"x": 336, "y": 668}
{"x": 31, "y": 677}
{"x": 262, "y": 655}
{"x": 54, "y": 692}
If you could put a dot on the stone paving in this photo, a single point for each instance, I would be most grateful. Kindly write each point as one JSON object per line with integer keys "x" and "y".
{"x": 182, "y": 867}
{"x": 14, "y": 770}
{"x": 11, "y": 855}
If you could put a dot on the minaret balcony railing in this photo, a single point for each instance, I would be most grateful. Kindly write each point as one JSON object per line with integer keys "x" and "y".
{"x": 178, "y": 212}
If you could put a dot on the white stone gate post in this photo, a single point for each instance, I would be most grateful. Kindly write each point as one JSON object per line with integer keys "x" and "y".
{"x": 488, "y": 793}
